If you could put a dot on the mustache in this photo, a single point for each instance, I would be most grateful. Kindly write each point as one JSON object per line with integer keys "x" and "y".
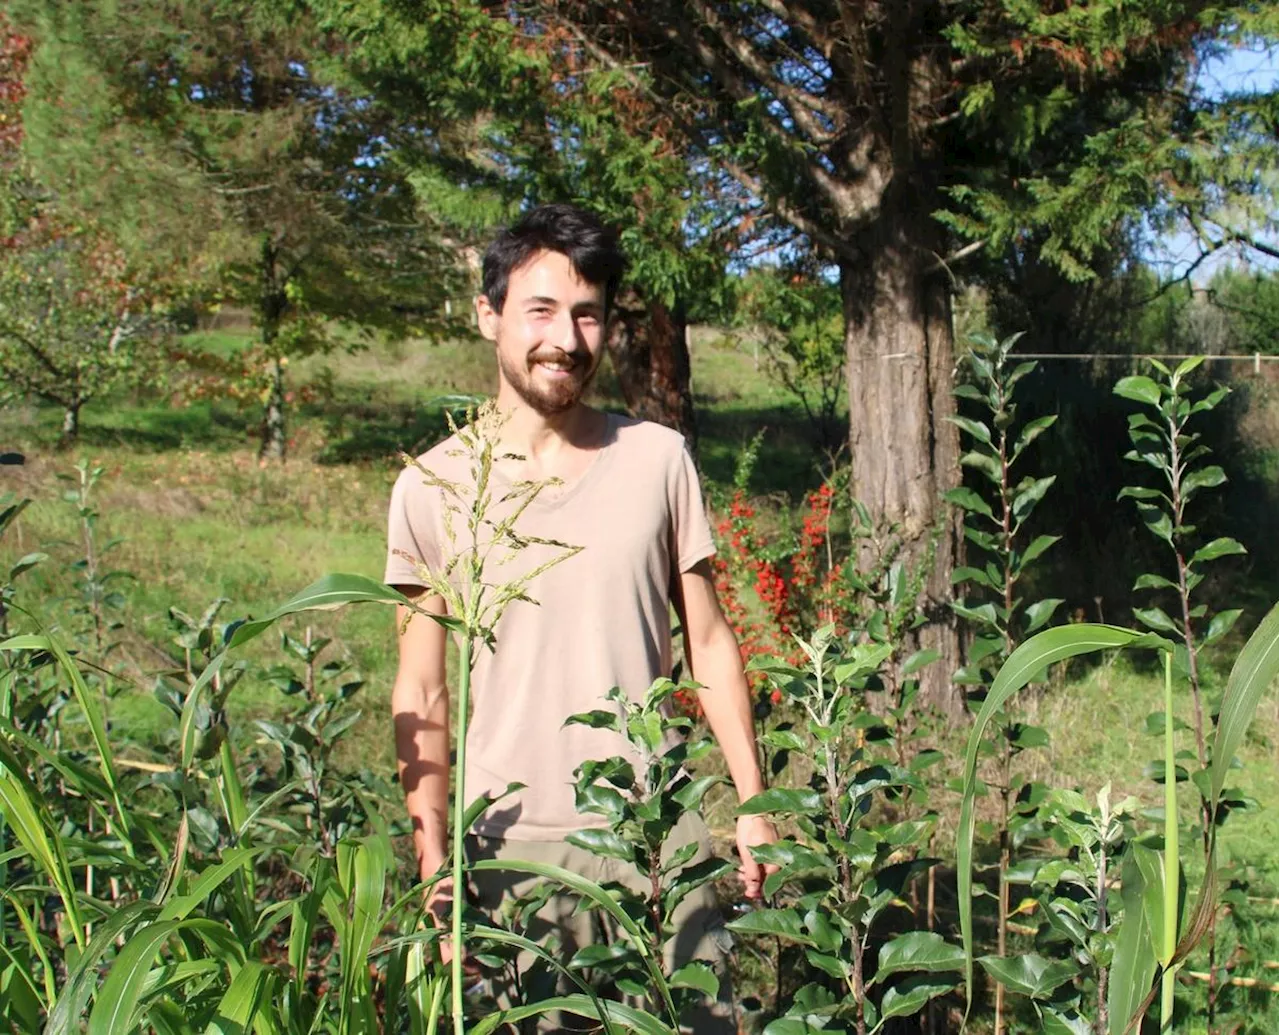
{"x": 560, "y": 356}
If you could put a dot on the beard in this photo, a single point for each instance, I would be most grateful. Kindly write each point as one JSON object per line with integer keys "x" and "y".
{"x": 548, "y": 398}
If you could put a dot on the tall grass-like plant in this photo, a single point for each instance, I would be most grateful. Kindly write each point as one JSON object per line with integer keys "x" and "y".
{"x": 1154, "y": 935}
{"x": 1162, "y": 440}
{"x": 995, "y": 526}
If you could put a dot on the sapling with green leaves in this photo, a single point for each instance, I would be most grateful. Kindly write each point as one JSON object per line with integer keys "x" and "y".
{"x": 995, "y": 523}
{"x": 845, "y": 866}
{"x": 644, "y": 797}
{"x": 1163, "y": 441}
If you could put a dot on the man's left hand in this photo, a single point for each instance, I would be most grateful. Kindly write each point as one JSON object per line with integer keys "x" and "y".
{"x": 754, "y": 830}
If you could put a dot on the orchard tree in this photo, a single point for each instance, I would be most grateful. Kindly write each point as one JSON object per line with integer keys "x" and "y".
{"x": 74, "y": 323}
{"x": 211, "y": 136}
{"x": 900, "y": 137}
{"x": 74, "y": 326}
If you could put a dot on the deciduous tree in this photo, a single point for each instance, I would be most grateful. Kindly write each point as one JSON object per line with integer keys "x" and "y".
{"x": 212, "y": 136}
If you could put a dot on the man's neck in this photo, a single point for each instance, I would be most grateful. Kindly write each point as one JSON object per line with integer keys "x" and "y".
{"x": 539, "y": 436}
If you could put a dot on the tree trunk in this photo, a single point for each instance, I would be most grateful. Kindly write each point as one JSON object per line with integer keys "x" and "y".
{"x": 649, "y": 349}
{"x": 905, "y": 453}
{"x": 273, "y": 439}
{"x": 70, "y": 424}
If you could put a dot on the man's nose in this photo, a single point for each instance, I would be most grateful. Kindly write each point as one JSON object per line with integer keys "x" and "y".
{"x": 567, "y": 336}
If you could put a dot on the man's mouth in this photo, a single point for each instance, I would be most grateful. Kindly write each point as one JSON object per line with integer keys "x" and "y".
{"x": 559, "y": 365}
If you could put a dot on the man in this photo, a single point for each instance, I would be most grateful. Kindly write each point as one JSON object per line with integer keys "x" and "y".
{"x": 626, "y": 492}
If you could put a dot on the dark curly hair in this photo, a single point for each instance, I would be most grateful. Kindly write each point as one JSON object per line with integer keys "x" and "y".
{"x": 589, "y": 245}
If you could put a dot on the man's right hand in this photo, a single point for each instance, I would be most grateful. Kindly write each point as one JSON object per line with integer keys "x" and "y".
{"x": 439, "y": 911}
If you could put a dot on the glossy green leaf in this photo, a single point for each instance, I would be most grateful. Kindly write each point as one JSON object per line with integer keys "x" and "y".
{"x": 1156, "y": 618}
{"x": 782, "y": 923}
{"x": 1139, "y": 389}
{"x": 1037, "y": 547}
{"x": 1221, "y": 624}
{"x": 917, "y": 950}
{"x": 1222, "y": 547}
{"x": 967, "y": 499}
{"x": 698, "y": 976}
{"x": 909, "y": 996}
{"x": 973, "y": 428}
{"x": 604, "y": 843}
{"x": 1040, "y": 612}
{"x": 1030, "y": 974}
{"x": 1031, "y": 431}
{"x": 1202, "y": 478}
{"x": 783, "y": 800}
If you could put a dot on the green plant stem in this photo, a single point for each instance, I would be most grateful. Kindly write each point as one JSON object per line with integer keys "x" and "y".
{"x": 1168, "y": 977}
{"x": 459, "y": 810}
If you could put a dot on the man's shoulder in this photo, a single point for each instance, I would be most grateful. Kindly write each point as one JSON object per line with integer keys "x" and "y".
{"x": 651, "y": 437}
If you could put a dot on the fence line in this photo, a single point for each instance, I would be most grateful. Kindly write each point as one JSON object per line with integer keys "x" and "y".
{"x": 1256, "y": 359}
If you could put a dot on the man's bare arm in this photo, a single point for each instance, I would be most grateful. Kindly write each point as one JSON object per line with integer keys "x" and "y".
{"x": 716, "y": 663}
{"x": 420, "y": 711}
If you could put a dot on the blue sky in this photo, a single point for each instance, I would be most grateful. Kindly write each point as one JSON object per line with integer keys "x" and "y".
{"x": 1243, "y": 69}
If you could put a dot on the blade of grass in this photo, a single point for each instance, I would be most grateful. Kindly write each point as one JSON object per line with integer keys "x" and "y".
{"x": 65, "y": 1017}
{"x": 39, "y": 836}
{"x": 1028, "y": 660}
{"x": 629, "y": 1018}
{"x": 88, "y": 706}
{"x": 242, "y": 1000}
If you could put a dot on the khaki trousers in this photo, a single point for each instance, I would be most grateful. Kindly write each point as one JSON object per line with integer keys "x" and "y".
{"x": 699, "y": 931}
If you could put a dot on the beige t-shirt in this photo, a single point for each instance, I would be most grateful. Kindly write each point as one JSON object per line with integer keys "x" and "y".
{"x": 602, "y": 617}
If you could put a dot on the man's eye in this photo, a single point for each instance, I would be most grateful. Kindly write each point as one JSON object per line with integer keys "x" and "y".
{"x": 589, "y": 318}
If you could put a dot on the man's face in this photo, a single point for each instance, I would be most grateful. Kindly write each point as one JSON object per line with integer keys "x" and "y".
{"x": 549, "y": 335}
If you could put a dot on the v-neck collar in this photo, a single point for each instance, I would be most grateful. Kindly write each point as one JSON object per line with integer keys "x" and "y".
{"x": 543, "y": 501}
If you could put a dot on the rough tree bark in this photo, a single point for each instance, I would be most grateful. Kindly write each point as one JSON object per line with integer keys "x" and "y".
{"x": 905, "y": 453}
{"x": 649, "y": 348}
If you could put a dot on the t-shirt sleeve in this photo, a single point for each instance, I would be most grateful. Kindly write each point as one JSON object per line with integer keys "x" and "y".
{"x": 411, "y": 535}
{"x": 692, "y": 531}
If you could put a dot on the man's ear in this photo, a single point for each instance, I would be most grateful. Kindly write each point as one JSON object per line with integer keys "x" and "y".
{"x": 486, "y": 317}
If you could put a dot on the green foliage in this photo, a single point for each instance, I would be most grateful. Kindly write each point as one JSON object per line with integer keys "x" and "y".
{"x": 844, "y": 868}
{"x": 799, "y": 323}
{"x": 1164, "y": 443}
{"x": 245, "y": 170}
{"x": 75, "y": 324}
{"x": 994, "y": 524}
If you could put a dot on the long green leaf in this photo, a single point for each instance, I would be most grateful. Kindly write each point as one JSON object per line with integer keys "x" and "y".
{"x": 1023, "y": 665}
{"x": 1253, "y": 672}
{"x": 627, "y": 1017}
{"x": 88, "y": 705}
{"x": 179, "y": 907}
{"x": 42, "y": 841}
{"x": 1133, "y": 964}
{"x": 242, "y": 1000}
{"x": 65, "y": 1017}
{"x": 117, "y": 999}
{"x": 326, "y": 594}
